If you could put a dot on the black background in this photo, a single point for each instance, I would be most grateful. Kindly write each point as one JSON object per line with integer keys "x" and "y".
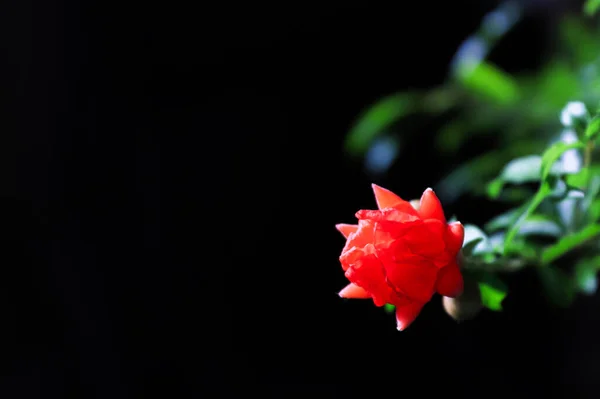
{"x": 171, "y": 174}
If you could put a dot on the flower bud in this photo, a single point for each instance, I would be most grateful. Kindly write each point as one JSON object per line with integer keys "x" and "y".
{"x": 467, "y": 305}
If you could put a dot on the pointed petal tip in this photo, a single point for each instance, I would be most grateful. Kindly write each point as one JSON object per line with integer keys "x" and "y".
{"x": 429, "y": 189}
{"x": 346, "y": 229}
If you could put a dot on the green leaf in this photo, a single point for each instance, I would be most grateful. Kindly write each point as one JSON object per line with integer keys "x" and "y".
{"x": 522, "y": 249}
{"x": 533, "y": 225}
{"x": 553, "y": 153}
{"x": 593, "y": 128}
{"x": 539, "y": 225}
{"x": 568, "y": 243}
{"x": 522, "y": 170}
{"x": 594, "y": 211}
{"x": 578, "y": 179}
{"x": 475, "y": 241}
{"x": 492, "y": 290}
{"x": 469, "y": 248}
{"x": 558, "y": 286}
{"x": 490, "y": 82}
{"x": 585, "y": 275}
{"x": 377, "y": 118}
{"x": 530, "y": 207}
{"x": 502, "y": 221}
{"x": 389, "y": 308}
{"x": 591, "y": 7}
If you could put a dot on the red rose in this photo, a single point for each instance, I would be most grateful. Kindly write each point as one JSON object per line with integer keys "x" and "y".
{"x": 401, "y": 255}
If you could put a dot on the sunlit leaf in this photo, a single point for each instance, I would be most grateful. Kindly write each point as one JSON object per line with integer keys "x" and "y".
{"x": 522, "y": 170}
{"x": 593, "y": 128}
{"x": 475, "y": 241}
{"x": 586, "y": 271}
{"x": 492, "y": 290}
{"x": 578, "y": 179}
{"x": 591, "y": 7}
{"x": 559, "y": 286}
{"x": 377, "y": 118}
{"x": 567, "y": 243}
{"x": 553, "y": 153}
{"x": 490, "y": 82}
{"x": 469, "y": 248}
{"x": 539, "y": 225}
{"x": 529, "y": 208}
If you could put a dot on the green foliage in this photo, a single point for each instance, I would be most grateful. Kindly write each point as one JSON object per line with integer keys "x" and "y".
{"x": 490, "y": 82}
{"x": 493, "y": 291}
{"x": 389, "y": 308}
{"x": 591, "y": 7}
{"x": 545, "y": 127}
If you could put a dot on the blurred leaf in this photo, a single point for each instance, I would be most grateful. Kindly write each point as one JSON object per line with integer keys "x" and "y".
{"x": 580, "y": 40}
{"x": 492, "y": 290}
{"x": 591, "y": 7}
{"x": 594, "y": 211}
{"x": 502, "y": 221}
{"x": 469, "y": 248}
{"x": 494, "y": 188}
{"x": 558, "y": 286}
{"x": 377, "y": 118}
{"x": 553, "y": 153}
{"x": 451, "y": 136}
{"x": 578, "y": 179}
{"x": 556, "y": 85}
{"x": 478, "y": 171}
{"x": 522, "y": 249}
{"x": 522, "y": 170}
{"x": 586, "y": 274}
{"x": 540, "y": 225}
{"x": 593, "y": 128}
{"x": 490, "y": 82}
{"x": 389, "y": 308}
{"x": 529, "y": 208}
{"x": 569, "y": 242}
{"x": 475, "y": 241}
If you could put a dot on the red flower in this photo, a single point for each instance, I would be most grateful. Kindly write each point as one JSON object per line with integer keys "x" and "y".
{"x": 401, "y": 255}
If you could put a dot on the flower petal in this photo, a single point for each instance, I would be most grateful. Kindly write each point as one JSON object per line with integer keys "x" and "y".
{"x": 431, "y": 207}
{"x": 455, "y": 235}
{"x": 387, "y": 199}
{"x": 353, "y": 291}
{"x": 346, "y": 229}
{"x": 427, "y": 239}
{"x": 450, "y": 281}
{"x": 361, "y": 237}
{"x": 415, "y": 279}
{"x": 366, "y": 271}
{"x": 405, "y": 315}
